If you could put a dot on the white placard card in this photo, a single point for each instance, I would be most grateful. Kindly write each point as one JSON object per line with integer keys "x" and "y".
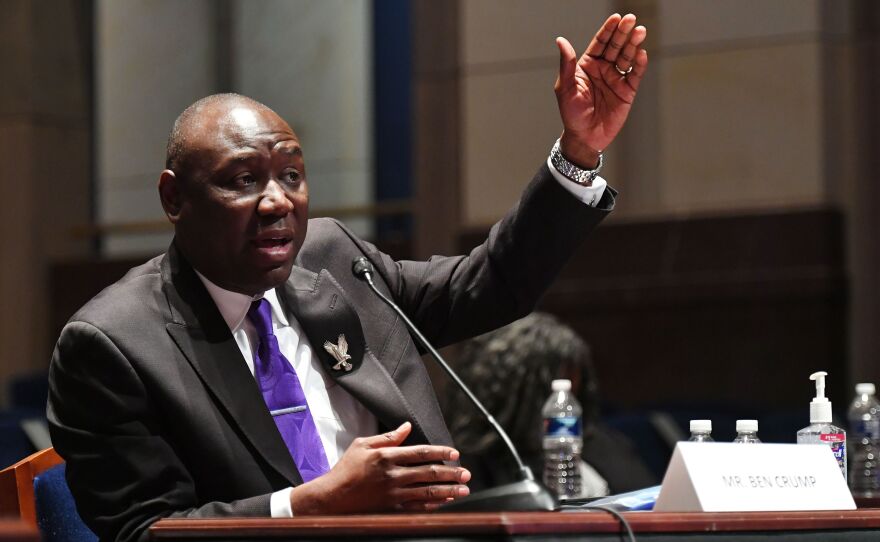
{"x": 728, "y": 477}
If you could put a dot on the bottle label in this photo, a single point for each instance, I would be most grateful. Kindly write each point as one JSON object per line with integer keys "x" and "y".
{"x": 566, "y": 426}
{"x": 867, "y": 428}
{"x": 837, "y": 443}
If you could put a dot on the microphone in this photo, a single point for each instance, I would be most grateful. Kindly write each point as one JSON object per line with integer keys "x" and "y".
{"x": 524, "y": 495}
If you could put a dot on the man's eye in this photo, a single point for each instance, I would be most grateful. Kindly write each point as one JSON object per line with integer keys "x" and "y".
{"x": 245, "y": 180}
{"x": 291, "y": 176}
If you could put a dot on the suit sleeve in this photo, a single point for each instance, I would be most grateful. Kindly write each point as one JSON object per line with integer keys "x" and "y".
{"x": 454, "y": 298}
{"x": 123, "y": 473}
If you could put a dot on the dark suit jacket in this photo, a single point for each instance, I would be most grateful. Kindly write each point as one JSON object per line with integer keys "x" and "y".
{"x": 157, "y": 415}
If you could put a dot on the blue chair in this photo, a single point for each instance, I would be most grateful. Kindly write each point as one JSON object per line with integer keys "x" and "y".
{"x": 34, "y": 489}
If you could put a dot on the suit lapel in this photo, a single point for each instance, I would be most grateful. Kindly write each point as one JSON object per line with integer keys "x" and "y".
{"x": 202, "y": 335}
{"x": 320, "y": 306}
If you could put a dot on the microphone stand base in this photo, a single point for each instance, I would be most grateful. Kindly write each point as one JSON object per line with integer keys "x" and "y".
{"x": 522, "y": 496}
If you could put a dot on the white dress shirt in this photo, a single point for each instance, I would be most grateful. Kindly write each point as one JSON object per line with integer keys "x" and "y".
{"x": 339, "y": 417}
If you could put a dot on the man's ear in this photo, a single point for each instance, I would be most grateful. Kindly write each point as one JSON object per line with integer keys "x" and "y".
{"x": 170, "y": 195}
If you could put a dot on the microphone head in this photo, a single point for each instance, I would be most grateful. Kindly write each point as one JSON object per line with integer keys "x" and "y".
{"x": 361, "y": 267}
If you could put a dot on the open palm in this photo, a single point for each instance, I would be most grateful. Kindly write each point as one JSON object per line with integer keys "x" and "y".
{"x": 596, "y": 91}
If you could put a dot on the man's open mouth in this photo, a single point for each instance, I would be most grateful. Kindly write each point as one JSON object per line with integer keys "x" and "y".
{"x": 272, "y": 242}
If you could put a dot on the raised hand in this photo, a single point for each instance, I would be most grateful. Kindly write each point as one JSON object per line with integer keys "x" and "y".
{"x": 376, "y": 474}
{"x": 595, "y": 93}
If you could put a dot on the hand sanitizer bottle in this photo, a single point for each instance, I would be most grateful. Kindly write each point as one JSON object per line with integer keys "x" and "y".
{"x": 820, "y": 430}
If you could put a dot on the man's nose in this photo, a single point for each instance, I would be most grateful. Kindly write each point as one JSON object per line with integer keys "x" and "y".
{"x": 274, "y": 201}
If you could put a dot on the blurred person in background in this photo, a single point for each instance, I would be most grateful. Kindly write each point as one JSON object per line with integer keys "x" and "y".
{"x": 510, "y": 371}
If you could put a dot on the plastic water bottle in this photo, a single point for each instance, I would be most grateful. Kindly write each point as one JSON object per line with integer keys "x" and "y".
{"x": 563, "y": 441}
{"x": 747, "y": 432}
{"x": 701, "y": 431}
{"x": 864, "y": 443}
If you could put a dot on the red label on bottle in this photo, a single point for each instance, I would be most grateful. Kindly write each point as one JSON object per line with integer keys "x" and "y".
{"x": 832, "y": 437}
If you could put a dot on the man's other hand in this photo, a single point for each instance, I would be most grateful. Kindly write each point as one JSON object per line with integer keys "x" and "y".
{"x": 376, "y": 474}
{"x": 596, "y": 91}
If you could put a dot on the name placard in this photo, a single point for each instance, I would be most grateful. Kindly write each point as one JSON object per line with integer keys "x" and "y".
{"x": 728, "y": 477}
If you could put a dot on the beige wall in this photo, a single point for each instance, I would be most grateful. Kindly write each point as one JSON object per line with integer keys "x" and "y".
{"x": 141, "y": 85}
{"x": 508, "y": 61}
{"x": 741, "y": 107}
{"x": 735, "y": 114}
{"x": 45, "y": 149}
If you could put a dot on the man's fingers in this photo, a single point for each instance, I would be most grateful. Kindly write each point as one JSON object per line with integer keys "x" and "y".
{"x": 422, "y": 453}
{"x": 630, "y": 50}
{"x": 430, "y": 474}
{"x": 603, "y": 36}
{"x": 620, "y": 37}
{"x": 391, "y": 438}
{"x": 431, "y": 493}
{"x": 639, "y": 66}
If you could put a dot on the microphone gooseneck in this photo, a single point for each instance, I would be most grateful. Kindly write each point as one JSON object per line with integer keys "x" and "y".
{"x": 524, "y": 495}
{"x": 363, "y": 269}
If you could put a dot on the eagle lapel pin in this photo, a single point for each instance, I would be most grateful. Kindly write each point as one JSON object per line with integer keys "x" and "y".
{"x": 339, "y": 352}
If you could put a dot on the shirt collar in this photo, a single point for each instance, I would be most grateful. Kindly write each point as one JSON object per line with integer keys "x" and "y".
{"x": 234, "y": 306}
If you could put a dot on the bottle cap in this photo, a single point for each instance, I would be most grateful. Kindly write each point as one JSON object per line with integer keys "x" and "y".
{"x": 701, "y": 425}
{"x": 820, "y": 406}
{"x": 865, "y": 388}
{"x": 560, "y": 385}
{"x": 747, "y": 425}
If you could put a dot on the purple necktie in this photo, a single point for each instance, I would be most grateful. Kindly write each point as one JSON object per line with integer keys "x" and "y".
{"x": 285, "y": 398}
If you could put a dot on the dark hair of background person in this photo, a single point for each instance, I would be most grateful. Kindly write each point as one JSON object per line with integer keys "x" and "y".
{"x": 510, "y": 371}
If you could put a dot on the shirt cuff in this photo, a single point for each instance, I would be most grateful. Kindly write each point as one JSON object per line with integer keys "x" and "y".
{"x": 279, "y": 504}
{"x": 591, "y": 195}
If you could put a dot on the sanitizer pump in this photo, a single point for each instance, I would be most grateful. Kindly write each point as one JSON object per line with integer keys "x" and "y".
{"x": 820, "y": 430}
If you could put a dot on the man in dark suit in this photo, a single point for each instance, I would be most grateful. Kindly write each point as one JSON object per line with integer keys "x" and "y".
{"x": 153, "y": 401}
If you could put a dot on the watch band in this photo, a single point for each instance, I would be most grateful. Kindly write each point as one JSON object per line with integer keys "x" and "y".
{"x": 572, "y": 172}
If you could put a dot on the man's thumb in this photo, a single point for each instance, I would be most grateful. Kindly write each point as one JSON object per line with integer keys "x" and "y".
{"x": 393, "y": 438}
{"x": 567, "y": 59}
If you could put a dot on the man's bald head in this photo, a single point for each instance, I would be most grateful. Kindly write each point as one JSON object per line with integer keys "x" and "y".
{"x": 191, "y": 122}
{"x": 235, "y": 190}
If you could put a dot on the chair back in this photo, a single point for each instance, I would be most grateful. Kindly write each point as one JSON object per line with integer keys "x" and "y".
{"x": 35, "y": 490}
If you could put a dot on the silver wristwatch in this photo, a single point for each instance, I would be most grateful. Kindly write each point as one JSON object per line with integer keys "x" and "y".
{"x": 572, "y": 172}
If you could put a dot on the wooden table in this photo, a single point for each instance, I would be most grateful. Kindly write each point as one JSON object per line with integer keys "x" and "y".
{"x": 14, "y": 530}
{"x": 596, "y": 525}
